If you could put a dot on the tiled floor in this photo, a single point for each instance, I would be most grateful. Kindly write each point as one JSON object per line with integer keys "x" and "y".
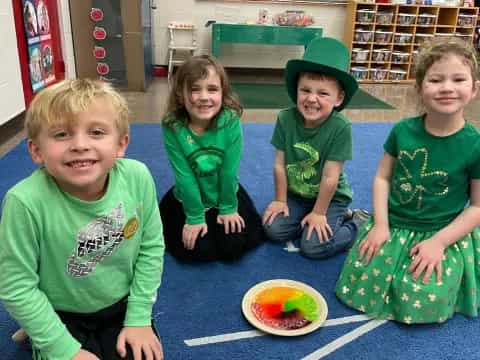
{"x": 150, "y": 106}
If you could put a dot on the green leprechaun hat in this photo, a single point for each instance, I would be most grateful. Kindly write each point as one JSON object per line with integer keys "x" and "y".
{"x": 327, "y": 56}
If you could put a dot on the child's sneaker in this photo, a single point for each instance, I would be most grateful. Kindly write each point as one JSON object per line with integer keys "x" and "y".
{"x": 21, "y": 337}
{"x": 358, "y": 216}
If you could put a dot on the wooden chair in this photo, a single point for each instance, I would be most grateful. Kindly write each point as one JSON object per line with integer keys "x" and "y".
{"x": 183, "y": 44}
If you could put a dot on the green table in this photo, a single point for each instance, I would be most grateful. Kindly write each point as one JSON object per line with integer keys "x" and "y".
{"x": 261, "y": 34}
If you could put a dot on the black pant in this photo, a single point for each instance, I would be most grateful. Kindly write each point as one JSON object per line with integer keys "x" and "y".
{"x": 215, "y": 245}
{"x": 98, "y": 332}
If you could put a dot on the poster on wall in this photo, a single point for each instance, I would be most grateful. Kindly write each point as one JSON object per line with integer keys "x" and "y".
{"x": 47, "y": 61}
{"x": 35, "y": 66}
{"x": 37, "y": 32}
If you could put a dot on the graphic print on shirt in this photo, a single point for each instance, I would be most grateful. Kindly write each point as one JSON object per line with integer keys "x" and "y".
{"x": 300, "y": 172}
{"x": 415, "y": 179}
{"x": 99, "y": 239}
{"x": 206, "y": 162}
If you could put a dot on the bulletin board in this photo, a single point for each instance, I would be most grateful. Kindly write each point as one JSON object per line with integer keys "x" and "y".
{"x": 36, "y": 22}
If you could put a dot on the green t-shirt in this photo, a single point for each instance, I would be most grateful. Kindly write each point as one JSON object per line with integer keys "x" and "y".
{"x": 307, "y": 149}
{"x": 430, "y": 184}
{"x": 206, "y": 166}
{"x": 61, "y": 253}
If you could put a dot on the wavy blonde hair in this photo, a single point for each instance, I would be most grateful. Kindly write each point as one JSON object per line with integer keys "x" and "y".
{"x": 61, "y": 103}
{"x": 440, "y": 48}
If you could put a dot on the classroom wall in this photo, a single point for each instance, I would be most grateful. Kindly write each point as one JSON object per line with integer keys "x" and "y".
{"x": 330, "y": 17}
{"x": 11, "y": 89}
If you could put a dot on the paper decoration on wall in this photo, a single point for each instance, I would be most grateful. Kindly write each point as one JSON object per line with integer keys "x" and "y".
{"x": 99, "y": 33}
{"x": 30, "y": 21}
{"x": 35, "y": 66}
{"x": 43, "y": 19}
{"x": 96, "y": 14}
{"x": 99, "y": 52}
{"x": 107, "y": 34}
{"x": 46, "y": 52}
{"x": 40, "y": 51}
{"x": 103, "y": 68}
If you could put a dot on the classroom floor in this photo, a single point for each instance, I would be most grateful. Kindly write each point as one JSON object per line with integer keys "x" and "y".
{"x": 149, "y": 106}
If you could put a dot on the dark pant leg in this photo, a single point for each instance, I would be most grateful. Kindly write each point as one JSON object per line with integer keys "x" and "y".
{"x": 233, "y": 246}
{"x": 253, "y": 221}
{"x": 173, "y": 219}
{"x": 98, "y": 332}
{"x": 344, "y": 233}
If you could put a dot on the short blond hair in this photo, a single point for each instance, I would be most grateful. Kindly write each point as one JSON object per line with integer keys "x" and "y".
{"x": 61, "y": 103}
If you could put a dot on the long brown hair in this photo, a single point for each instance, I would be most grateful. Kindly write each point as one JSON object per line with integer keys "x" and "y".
{"x": 192, "y": 70}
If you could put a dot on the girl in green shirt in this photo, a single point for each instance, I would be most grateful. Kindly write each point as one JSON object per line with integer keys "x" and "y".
{"x": 418, "y": 259}
{"x": 207, "y": 214}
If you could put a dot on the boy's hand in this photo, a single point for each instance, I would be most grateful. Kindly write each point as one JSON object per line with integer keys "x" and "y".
{"x": 427, "y": 256}
{"x": 318, "y": 223}
{"x": 370, "y": 246}
{"x": 84, "y": 355}
{"x": 190, "y": 234}
{"x": 232, "y": 222}
{"x": 142, "y": 340}
{"x": 272, "y": 210}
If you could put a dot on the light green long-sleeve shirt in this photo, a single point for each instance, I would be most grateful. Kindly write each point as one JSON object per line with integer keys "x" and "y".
{"x": 60, "y": 253}
{"x": 206, "y": 166}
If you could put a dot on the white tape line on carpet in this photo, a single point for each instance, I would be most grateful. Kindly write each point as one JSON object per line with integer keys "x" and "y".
{"x": 343, "y": 340}
{"x": 253, "y": 333}
{"x": 290, "y": 247}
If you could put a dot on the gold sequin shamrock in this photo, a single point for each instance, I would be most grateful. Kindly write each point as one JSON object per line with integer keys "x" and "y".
{"x": 414, "y": 179}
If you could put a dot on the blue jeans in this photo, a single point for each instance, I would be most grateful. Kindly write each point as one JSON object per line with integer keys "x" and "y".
{"x": 289, "y": 228}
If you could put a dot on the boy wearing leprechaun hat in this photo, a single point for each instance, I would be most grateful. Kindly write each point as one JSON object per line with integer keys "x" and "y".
{"x": 312, "y": 141}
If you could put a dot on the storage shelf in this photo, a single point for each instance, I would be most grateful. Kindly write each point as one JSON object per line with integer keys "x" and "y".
{"x": 368, "y": 25}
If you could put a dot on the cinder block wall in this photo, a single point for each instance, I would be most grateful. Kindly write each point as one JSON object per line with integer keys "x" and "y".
{"x": 331, "y": 17}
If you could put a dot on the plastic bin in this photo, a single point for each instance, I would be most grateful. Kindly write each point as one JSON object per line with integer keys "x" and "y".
{"x": 365, "y": 16}
{"x": 359, "y": 73}
{"x": 403, "y": 38}
{"x": 362, "y": 35}
{"x": 359, "y": 54}
{"x": 378, "y": 74}
{"x": 384, "y": 18}
{"x": 466, "y": 20}
{"x": 383, "y": 37}
{"x": 400, "y": 57}
{"x": 397, "y": 74}
{"x": 406, "y": 19}
{"x": 426, "y": 19}
{"x": 380, "y": 55}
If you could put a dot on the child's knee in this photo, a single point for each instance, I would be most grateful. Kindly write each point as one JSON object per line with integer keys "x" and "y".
{"x": 314, "y": 249}
{"x": 275, "y": 232}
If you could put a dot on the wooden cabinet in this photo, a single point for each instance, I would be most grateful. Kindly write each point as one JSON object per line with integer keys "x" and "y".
{"x": 384, "y": 38}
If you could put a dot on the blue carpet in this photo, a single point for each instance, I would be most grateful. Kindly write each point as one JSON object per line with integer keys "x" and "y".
{"x": 197, "y": 301}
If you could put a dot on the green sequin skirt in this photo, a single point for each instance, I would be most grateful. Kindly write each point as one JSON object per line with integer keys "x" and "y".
{"x": 384, "y": 288}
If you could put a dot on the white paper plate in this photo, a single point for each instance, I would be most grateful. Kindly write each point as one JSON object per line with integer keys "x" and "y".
{"x": 252, "y": 293}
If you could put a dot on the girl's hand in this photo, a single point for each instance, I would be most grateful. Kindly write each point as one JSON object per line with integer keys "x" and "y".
{"x": 427, "y": 256}
{"x": 142, "y": 340}
{"x": 371, "y": 245}
{"x": 190, "y": 234}
{"x": 272, "y": 210}
{"x": 84, "y": 355}
{"x": 232, "y": 222}
{"x": 318, "y": 223}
